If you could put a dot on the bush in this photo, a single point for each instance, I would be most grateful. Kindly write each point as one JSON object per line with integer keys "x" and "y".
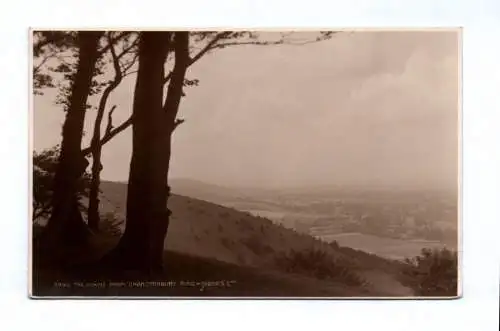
{"x": 262, "y": 228}
{"x": 44, "y": 169}
{"x": 317, "y": 263}
{"x": 334, "y": 244}
{"x": 110, "y": 225}
{"x": 256, "y": 245}
{"x": 434, "y": 272}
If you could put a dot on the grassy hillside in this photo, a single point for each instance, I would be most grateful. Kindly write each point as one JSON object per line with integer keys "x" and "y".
{"x": 208, "y": 230}
{"x": 213, "y": 250}
{"x": 205, "y": 230}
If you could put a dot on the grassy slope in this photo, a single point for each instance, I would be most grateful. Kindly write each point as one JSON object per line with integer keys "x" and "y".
{"x": 211, "y": 242}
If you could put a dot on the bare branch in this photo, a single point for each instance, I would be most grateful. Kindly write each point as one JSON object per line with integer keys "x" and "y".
{"x": 113, "y": 41}
{"x": 202, "y": 52}
{"x": 249, "y": 42}
{"x": 282, "y": 41}
{"x": 130, "y": 73}
{"x": 116, "y": 61}
{"x": 130, "y": 64}
{"x": 108, "y": 136}
{"x": 40, "y": 65}
{"x": 109, "y": 126}
{"x": 167, "y": 77}
{"x": 213, "y": 44}
{"x": 209, "y": 46}
{"x": 95, "y": 143}
{"x": 178, "y": 122}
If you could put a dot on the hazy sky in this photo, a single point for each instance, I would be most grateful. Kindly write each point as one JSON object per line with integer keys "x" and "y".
{"x": 374, "y": 108}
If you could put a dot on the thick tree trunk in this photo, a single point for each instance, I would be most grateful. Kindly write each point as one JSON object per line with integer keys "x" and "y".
{"x": 147, "y": 215}
{"x": 142, "y": 244}
{"x": 66, "y": 225}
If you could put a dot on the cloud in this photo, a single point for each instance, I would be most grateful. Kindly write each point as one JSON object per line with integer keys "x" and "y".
{"x": 365, "y": 108}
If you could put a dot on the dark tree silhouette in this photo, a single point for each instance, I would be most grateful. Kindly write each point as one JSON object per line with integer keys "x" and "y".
{"x": 201, "y": 43}
{"x": 56, "y": 64}
{"x": 121, "y": 68}
{"x": 65, "y": 226}
{"x": 49, "y": 46}
{"x": 141, "y": 246}
{"x": 44, "y": 168}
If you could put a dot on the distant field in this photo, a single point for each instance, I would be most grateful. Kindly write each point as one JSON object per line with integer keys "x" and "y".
{"x": 272, "y": 215}
{"x": 386, "y": 247}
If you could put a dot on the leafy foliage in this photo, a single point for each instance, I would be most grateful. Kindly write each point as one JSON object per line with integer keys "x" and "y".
{"x": 317, "y": 263}
{"x": 435, "y": 272}
{"x": 44, "y": 169}
{"x": 51, "y": 47}
{"x": 55, "y": 60}
{"x": 111, "y": 225}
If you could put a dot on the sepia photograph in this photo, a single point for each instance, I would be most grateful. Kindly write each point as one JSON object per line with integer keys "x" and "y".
{"x": 246, "y": 164}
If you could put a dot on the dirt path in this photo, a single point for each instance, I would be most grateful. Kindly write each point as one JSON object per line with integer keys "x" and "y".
{"x": 386, "y": 285}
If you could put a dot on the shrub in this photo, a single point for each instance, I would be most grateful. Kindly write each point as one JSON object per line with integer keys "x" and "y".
{"x": 110, "y": 225}
{"x": 44, "y": 169}
{"x": 257, "y": 246}
{"x": 434, "y": 272}
{"x": 317, "y": 263}
{"x": 334, "y": 244}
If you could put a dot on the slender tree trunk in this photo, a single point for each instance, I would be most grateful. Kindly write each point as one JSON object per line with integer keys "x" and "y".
{"x": 66, "y": 225}
{"x": 141, "y": 246}
{"x": 95, "y": 182}
{"x": 96, "y": 147}
{"x": 171, "y": 108}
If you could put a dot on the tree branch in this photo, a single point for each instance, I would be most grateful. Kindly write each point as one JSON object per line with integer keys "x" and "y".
{"x": 130, "y": 64}
{"x": 109, "y": 126}
{"x": 108, "y": 136}
{"x": 127, "y": 49}
{"x": 95, "y": 143}
{"x": 37, "y": 68}
{"x": 202, "y": 52}
{"x": 182, "y": 62}
{"x": 178, "y": 122}
{"x": 113, "y": 41}
{"x": 213, "y": 44}
{"x": 324, "y": 36}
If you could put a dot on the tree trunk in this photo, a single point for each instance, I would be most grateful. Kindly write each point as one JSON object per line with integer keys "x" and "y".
{"x": 66, "y": 225}
{"x": 96, "y": 147}
{"x": 93, "y": 210}
{"x": 147, "y": 214}
{"x": 142, "y": 244}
